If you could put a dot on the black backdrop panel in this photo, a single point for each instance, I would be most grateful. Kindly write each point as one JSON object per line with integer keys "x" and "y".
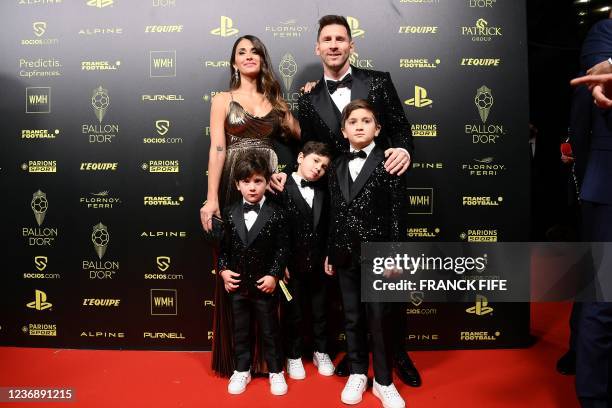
{"x": 105, "y": 107}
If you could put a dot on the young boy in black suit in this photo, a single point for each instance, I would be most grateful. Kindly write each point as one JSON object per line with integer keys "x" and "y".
{"x": 367, "y": 205}
{"x": 307, "y": 206}
{"x": 252, "y": 258}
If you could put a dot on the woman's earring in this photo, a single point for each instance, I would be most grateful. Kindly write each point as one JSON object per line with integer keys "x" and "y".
{"x": 236, "y": 76}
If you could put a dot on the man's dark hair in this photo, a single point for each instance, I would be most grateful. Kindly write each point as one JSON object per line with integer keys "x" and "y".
{"x": 334, "y": 19}
{"x": 317, "y": 148}
{"x": 353, "y": 106}
{"x": 250, "y": 163}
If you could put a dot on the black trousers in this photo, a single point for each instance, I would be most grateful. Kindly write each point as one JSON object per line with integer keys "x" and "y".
{"x": 360, "y": 318}
{"x": 594, "y": 339}
{"x": 265, "y": 309}
{"x": 400, "y": 324}
{"x": 309, "y": 295}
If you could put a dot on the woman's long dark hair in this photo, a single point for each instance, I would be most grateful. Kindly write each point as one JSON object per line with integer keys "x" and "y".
{"x": 267, "y": 84}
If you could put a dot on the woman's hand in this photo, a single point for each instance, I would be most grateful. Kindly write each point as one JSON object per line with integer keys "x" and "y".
{"x": 210, "y": 208}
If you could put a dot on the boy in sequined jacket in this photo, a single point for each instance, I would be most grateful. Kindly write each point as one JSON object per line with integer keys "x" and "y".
{"x": 367, "y": 205}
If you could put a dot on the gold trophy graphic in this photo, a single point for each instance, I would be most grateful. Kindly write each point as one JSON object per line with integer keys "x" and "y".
{"x": 484, "y": 102}
{"x": 100, "y": 238}
{"x": 39, "y": 205}
{"x": 100, "y": 101}
{"x": 287, "y": 68}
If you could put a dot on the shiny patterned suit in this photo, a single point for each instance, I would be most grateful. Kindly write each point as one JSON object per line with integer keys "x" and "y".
{"x": 320, "y": 118}
{"x": 372, "y": 208}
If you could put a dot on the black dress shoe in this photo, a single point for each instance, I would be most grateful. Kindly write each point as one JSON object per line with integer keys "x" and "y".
{"x": 406, "y": 370}
{"x": 342, "y": 369}
{"x": 567, "y": 363}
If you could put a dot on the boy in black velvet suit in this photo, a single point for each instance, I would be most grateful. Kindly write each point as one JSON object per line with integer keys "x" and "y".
{"x": 252, "y": 258}
{"x": 367, "y": 205}
{"x": 307, "y": 206}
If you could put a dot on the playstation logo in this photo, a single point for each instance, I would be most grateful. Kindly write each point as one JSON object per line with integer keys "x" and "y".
{"x": 481, "y": 307}
{"x": 354, "y": 25}
{"x": 40, "y": 301}
{"x": 420, "y": 99}
{"x": 100, "y": 3}
{"x": 226, "y": 28}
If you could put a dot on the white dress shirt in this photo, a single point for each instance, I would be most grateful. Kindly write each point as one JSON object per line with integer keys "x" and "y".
{"x": 307, "y": 192}
{"x": 356, "y": 164}
{"x": 342, "y": 96}
{"x": 251, "y": 216}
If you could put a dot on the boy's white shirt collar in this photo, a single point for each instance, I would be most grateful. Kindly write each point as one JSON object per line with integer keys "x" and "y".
{"x": 368, "y": 149}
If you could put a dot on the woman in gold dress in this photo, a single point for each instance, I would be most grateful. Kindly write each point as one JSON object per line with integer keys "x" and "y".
{"x": 251, "y": 115}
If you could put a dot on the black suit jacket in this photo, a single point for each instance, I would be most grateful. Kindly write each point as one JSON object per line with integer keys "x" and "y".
{"x": 372, "y": 209}
{"x": 308, "y": 228}
{"x": 263, "y": 251}
{"x": 320, "y": 119}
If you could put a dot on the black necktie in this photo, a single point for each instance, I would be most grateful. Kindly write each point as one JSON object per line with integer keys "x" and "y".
{"x": 347, "y": 81}
{"x": 359, "y": 153}
{"x": 246, "y": 207}
{"x": 306, "y": 183}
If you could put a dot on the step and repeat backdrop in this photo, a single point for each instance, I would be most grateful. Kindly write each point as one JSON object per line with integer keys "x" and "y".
{"x": 105, "y": 135}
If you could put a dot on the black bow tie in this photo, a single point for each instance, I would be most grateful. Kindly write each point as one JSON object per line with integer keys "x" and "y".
{"x": 306, "y": 183}
{"x": 359, "y": 153}
{"x": 246, "y": 207}
{"x": 347, "y": 81}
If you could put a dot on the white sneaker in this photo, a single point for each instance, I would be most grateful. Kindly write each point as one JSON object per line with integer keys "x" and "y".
{"x": 238, "y": 382}
{"x": 295, "y": 369}
{"x": 388, "y": 395}
{"x": 354, "y": 388}
{"x": 278, "y": 386}
{"x": 324, "y": 363}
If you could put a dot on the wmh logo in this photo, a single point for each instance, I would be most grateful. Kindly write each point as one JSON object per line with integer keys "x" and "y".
{"x": 38, "y": 99}
{"x": 162, "y": 64}
{"x": 420, "y": 201}
{"x": 164, "y": 302}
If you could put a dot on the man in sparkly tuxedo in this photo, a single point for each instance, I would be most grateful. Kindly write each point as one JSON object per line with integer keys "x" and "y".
{"x": 320, "y": 115}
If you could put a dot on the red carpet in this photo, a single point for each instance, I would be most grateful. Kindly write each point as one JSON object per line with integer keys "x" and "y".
{"x": 481, "y": 378}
